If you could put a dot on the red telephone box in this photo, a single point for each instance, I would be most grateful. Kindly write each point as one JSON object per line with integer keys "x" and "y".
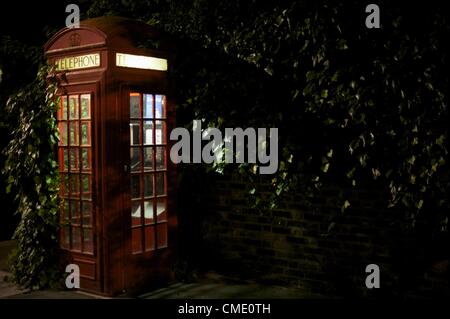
{"x": 118, "y": 220}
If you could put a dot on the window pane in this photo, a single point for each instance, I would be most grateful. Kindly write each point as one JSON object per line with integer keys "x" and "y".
{"x": 85, "y": 106}
{"x": 65, "y": 163}
{"x": 65, "y": 237}
{"x": 86, "y": 209}
{"x": 85, "y": 133}
{"x": 161, "y": 210}
{"x": 75, "y": 212}
{"x": 135, "y": 162}
{"x": 66, "y": 211}
{"x": 134, "y": 105}
{"x": 73, "y": 107}
{"x": 135, "y": 134}
{"x": 136, "y": 213}
{"x": 73, "y": 133}
{"x": 74, "y": 180}
{"x": 74, "y": 159}
{"x": 160, "y": 106}
{"x": 160, "y": 132}
{"x": 148, "y": 159}
{"x": 148, "y": 204}
{"x": 76, "y": 238}
{"x": 62, "y": 127}
{"x": 148, "y": 132}
{"x": 61, "y": 159}
{"x": 86, "y": 186}
{"x": 148, "y": 105}
{"x": 135, "y": 186}
{"x": 162, "y": 235}
{"x": 148, "y": 185}
{"x": 86, "y": 159}
{"x": 136, "y": 240}
{"x": 149, "y": 238}
{"x": 88, "y": 244}
{"x": 160, "y": 157}
{"x": 64, "y": 186}
{"x": 160, "y": 184}
{"x": 63, "y": 107}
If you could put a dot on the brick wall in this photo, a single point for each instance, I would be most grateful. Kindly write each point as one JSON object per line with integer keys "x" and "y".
{"x": 292, "y": 246}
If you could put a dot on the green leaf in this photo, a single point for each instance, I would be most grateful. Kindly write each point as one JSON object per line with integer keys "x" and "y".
{"x": 345, "y": 206}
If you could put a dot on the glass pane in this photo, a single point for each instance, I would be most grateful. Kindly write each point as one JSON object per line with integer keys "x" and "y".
{"x": 135, "y": 162}
{"x": 148, "y": 159}
{"x": 65, "y": 237}
{"x": 135, "y": 186}
{"x": 136, "y": 213}
{"x": 135, "y": 136}
{"x": 148, "y": 204}
{"x": 134, "y": 105}
{"x": 66, "y": 211}
{"x": 85, "y": 159}
{"x": 86, "y": 186}
{"x": 74, "y": 181}
{"x": 160, "y": 106}
{"x": 85, "y": 106}
{"x": 65, "y": 163}
{"x": 160, "y": 157}
{"x": 76, "y": 238}
{"x": 62, "y": 126}
{"x": 64, "y": 187}
{"x": 161, "y": 210}
{"x": 62, "y": 157}
{"x": 160, "y": 184}
{"x": 73, "y": 107}
{"x": 88, "y": 242}
{"x": 162, "y": 235}
{"x": 86, "y": 210}
{"x": 74, "y": 159}
{"x": 63, "y": 107}
{"x": 149, "y": 238}
{"x": 148, "y": 105}
{"x": 85, "y": 133}
{"x": 148, "y": 132}
{"x": 136, "y": 240}
{"x": 148, "y": 185}
{"x": 73, "y": 133}
{"x": 75, "y": 212}
{"x": 160, "y": 132}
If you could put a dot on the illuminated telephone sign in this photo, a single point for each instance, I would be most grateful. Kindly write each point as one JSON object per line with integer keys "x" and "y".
{"x": 140, "y": 62}
{"x": 78, "y": 62}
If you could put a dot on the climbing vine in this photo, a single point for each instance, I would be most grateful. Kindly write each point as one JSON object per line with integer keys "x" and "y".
{"x": 32, "y": 175}
{"x": 353, "y": 105}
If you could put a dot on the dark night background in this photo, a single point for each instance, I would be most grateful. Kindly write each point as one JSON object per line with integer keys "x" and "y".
{"x": 267, "y": 100}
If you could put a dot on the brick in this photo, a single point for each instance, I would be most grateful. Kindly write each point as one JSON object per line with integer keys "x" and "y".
{"x": 291, "y": 245}
{"x": 281, "y": 213}
{"x": 281, "y": 230}
{"x": 296, "y": 240}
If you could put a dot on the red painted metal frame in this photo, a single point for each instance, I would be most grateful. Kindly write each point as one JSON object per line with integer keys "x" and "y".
{"x": 112, "y": 269}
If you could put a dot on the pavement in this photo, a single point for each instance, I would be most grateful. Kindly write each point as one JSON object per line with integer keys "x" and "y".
{"x": 213, "y": 286}
{"x": 5, "y": 250}
{"x": 223, "y": 290}
{"x": 210, "y": 286}
{"x": 7, "y": 288}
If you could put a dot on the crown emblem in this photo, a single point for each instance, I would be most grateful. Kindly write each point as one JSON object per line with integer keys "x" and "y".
{"x": 74, "y": 39}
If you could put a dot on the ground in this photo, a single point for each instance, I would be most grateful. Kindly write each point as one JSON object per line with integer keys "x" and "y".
{"x": 210, "y": 286}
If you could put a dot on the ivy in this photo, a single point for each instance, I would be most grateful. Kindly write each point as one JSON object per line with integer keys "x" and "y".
{"x": 352, "y": 104}
{"x": 32, "y": 175}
